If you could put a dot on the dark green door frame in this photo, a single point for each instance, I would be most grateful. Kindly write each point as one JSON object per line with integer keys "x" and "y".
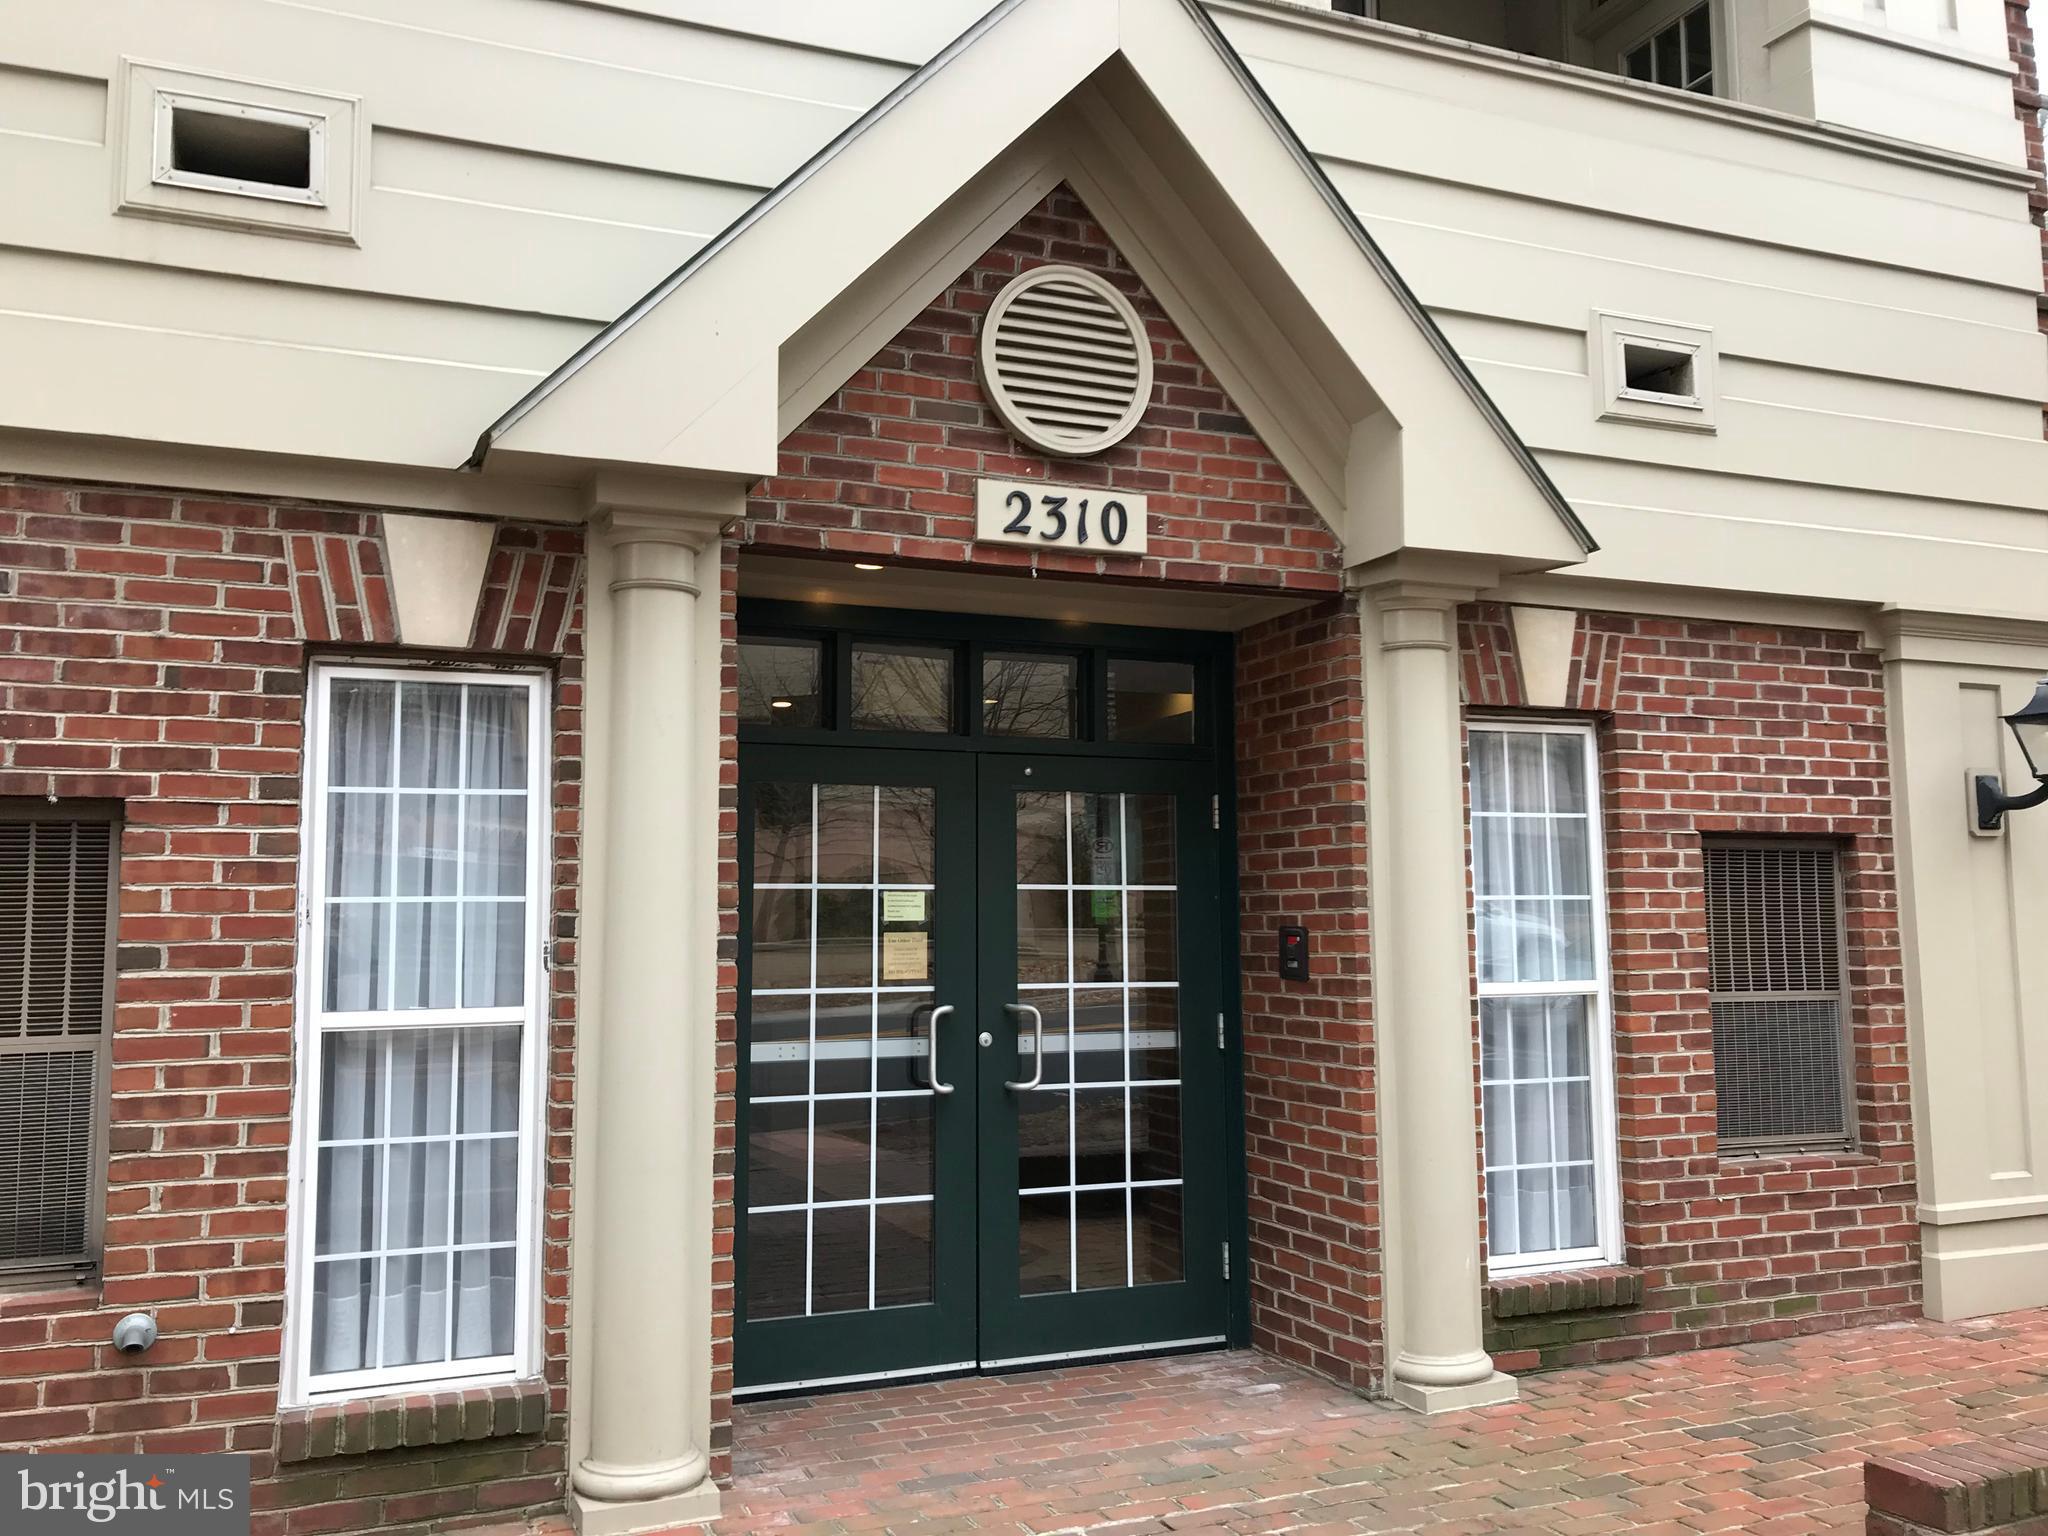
{"x": 972, "y": 775}
{"x": 1019, "y": 1329}
{"x": 823, "y": 1348}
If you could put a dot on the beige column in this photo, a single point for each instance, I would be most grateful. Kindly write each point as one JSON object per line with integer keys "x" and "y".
{"x": 1972, "y": 908}
{"x": 1422, "y": 988}
{"x": 643, "y": 1271}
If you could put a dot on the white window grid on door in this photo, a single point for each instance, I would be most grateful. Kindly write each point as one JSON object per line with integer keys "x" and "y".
{"x": 1066, "y": 1041}
{"x": 1593, "y": 990}
{"x": 318, "y": 1027}
{"x": 877, "y": 1049}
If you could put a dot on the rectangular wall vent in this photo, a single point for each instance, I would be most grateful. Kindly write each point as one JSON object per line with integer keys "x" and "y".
{"x": 1658, "y": 373}
{"x": 56, "y": 931}
{"x": 240, "y": 148}
{"x": 253, "y": 156}
{"x": 1774, "y": 940}
{"x": 235, "y": 145}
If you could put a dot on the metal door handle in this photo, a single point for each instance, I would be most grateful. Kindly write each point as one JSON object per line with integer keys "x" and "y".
{"x": 938, "y": 1017}
{"x": 1037, "y": 1046}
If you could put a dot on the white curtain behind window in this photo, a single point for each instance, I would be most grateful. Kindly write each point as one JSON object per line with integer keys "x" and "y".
{"x": 426, "y": 808}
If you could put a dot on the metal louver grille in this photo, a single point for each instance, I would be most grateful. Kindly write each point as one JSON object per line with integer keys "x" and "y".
{"x": 1066, "y": 360}
{"x": 1774, "y": 938}
{"x": 55, "y": 922}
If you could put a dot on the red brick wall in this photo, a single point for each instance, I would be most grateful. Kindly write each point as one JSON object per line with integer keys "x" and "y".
{"x": 1711, "y": 728}
{"x": 153, "y": 650}
{"x": 886, "y": 469}
{"x": 1311, "y": 1136}
{"x": 725, "y": 1133}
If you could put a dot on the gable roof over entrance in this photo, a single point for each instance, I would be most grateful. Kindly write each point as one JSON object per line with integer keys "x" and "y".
{"x": 1144, "y": 107}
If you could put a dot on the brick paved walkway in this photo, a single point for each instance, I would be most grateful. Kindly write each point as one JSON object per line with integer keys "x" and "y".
{"x": 1767, "y": 1438}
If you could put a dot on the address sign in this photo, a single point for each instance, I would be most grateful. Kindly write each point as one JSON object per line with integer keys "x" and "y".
{"x": 1087, "y": 519}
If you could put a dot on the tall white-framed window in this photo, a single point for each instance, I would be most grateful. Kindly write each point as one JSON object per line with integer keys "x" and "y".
{"x": 422, "y": 1007}
{"x": 1545, "y": 1028}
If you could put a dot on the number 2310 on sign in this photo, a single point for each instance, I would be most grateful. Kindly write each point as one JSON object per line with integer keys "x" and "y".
{"x": 1085, "y": 519}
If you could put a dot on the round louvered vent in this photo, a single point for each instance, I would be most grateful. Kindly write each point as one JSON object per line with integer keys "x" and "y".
{"x": 1066, "y": 361}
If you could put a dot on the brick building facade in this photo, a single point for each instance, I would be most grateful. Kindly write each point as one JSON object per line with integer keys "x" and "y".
{"x": 154, "y": 664}
{"x": 663, "y": 895}
{"x": 1711, "y": 729}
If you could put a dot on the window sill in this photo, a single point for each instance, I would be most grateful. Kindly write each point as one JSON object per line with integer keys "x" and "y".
{"x": 1780, "y": 1159}
{"x": 46, "y": 1297}
{"x": 1569, "y": 1290}
{"x": 405, "y": 1419}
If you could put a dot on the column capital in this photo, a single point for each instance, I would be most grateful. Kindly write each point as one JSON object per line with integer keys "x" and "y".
{"x": 629, "y": 508}
{"x": 1415, "y": 620}
{"x": 1959, "y": 639}
{"x": 655, "y": 552}
{"x": 690, "y": 530}
{"x": 1421, "y": 579}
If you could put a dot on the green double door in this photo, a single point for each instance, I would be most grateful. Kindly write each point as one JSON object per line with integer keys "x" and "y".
{"x": 981, "y": 1066}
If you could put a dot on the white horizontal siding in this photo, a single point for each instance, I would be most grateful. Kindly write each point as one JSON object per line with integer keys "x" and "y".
{"x": 533, "y": 166}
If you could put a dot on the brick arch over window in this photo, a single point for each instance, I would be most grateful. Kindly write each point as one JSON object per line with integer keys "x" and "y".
{"x": 887, "y": 467}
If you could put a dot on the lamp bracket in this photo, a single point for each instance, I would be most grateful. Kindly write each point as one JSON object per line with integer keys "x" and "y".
{"x": 1989, "y": 802}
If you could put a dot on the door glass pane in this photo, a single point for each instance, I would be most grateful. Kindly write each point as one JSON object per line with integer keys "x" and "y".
{"x": 903, "y": 688}
{"x": 1099, "y": 1145}
{"x": 840, "y": 1115}
{"x": 906, "y": 835}
{"x": 1044, "y": 1244}
{"x": 1157, "y": 1238}
{"x": 1041, "y": 839}
{"x": 781, "y": 683}
{"x": 778, "y": 1249}
{"x": 840, "y": 1276}
{"x": 1035, "y": 696}
{"x": 1101, "y": 1254}
{"x": 903, "y": 1253}
{"x": 782, "y": 834}
{"x": 1152, "y": 701}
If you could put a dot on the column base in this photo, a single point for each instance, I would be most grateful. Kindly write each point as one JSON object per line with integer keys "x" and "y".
{"x": 1982, "y": 1268}
{"x": 600, "y": 1517}
{"x": 1497, "y": 1388}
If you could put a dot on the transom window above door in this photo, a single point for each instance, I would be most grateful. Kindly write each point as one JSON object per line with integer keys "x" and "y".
{"x": 1013, "y": 686}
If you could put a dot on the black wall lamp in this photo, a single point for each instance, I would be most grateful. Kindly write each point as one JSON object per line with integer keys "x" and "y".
{"x": 2030, "y": 729}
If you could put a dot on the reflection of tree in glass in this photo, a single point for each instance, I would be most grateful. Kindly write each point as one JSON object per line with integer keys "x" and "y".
{"x": 780, "y": 673}
{"x": 909, "y": 824}
{"x": 782, "y": 834}
{"x": 902, "y": 688}
{"x": 1028, "y": 696}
